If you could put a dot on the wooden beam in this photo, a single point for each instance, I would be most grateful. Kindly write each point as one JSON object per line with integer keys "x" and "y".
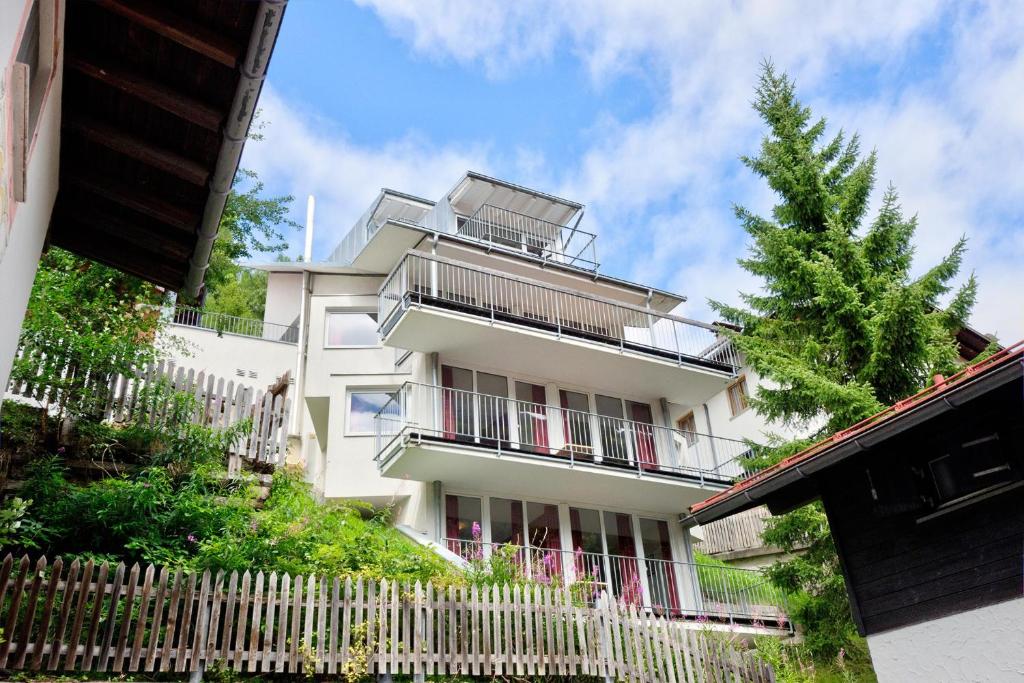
{"x": 115, "y": 254}
{"x": 181, "y": 30}
{"x": 136, "y": 148}
{"x": 149, "y": 91}
{"x": 158, "y": 239}
{"x": 136, "y": 200}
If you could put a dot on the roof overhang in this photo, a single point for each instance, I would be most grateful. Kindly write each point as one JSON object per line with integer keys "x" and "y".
{"x": 791, "y": 483}
{"x": 157, "y": 102}
{"x": 475, "y": 190}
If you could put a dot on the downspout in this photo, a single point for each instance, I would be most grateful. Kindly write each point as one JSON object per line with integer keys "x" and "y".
{"x": 254, "y": 69}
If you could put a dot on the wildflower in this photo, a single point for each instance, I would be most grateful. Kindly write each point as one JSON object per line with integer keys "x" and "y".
{"x": 192, "y": 539}
{"x": 60, "y": 451}
{"x": 477, "y": 532}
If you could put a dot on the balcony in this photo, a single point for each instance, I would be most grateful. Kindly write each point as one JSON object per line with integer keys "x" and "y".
{"x": 229, "y": 324}
{"x": 430, "y": 303}
{"x": 472, "y": 440}
{"x": 680, "y": 590}
{"x": 542, "y": 239}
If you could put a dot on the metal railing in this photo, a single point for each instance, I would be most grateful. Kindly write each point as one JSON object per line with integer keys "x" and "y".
{"x": 540, "y": 238}
{"x": 427, "y": 280}
{"x": 229, "y": 324}
{"x": 678, "y": 589}
{"x": 571, "y": 436}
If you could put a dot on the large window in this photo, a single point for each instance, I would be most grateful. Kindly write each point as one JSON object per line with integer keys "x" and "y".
{"x": 363, "y": 406}
{"x": 351, "y": 328}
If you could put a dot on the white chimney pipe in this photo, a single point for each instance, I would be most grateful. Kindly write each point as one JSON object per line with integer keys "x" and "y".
{"x": 307, "y": 253}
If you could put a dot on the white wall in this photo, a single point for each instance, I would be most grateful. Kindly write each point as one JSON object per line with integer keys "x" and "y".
{"x": 284, "y": 297}
{"x": 224, "y": 355}
{"x": 23, "y": 225}
{"x": 985, "y": 644}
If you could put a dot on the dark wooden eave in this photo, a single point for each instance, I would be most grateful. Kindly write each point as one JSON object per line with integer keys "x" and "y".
{"x": 147, "y": 89}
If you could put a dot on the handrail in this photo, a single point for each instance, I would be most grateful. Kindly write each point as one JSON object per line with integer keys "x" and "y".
{"x": 540, "y": 430}
{"x": 230, "y": 324}
{"x": 427, "y": 279}
{"x": 544, "y": 239}
{"x": 676, "y": 587}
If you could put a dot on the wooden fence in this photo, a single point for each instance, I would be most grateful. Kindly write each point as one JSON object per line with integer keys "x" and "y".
{"x": 155, "y": 396}
{"x": 122, "y": 620}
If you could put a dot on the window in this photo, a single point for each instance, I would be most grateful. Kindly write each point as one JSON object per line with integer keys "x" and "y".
{"x": 688, "y": 426}
{"x": 351, "y": 328}
{"x": 462, "y": 518}
{"x": 362, "y": 406}
{"x": 737, "y": 392}
{"x": 31, "y": 73}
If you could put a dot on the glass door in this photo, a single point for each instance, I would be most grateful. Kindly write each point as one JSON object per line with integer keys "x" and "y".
{"x": 459, "y": 416}
{"x": 493, "y": 400}
{"x": 661, "y": 575}
{"x": 588, "y": 558}
{"x": 462, "y": 528}
{"x": 612, "y": 427}
{"x": 625, "y": 578}
{"x": 576, "y": 424}
{"x": 532, "y": 418}
{"x": 644, "y": 447}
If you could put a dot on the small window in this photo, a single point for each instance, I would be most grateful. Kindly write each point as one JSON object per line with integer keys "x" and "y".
{"x": 363, "y": 406}
{"x": 688, "y": 426}
{"x": 737, "y": 392}
{"x": 351, "y": 328}
{"x": 30, "y": 75}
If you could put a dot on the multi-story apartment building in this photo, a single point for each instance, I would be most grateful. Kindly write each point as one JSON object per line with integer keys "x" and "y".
{"x": 465, "y": 362}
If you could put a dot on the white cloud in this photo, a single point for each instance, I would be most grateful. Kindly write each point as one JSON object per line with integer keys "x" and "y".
{"x": 659, "y": 189}
{"x": 303, "y": 154}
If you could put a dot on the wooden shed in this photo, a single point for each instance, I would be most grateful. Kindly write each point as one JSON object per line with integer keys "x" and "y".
{"x": 926, "y": 506}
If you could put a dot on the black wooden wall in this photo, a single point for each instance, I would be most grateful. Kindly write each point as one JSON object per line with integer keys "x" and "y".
{"x": 910, "y": 557}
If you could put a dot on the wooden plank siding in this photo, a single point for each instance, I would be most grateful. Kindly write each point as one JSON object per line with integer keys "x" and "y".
{"x": 195, "y": 618}
{"x": 907, "y": 559}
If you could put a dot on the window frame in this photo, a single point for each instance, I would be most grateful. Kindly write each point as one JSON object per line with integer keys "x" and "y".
{"x": 740, "y": 384}
{"x": 689, "y": 435}
{"x": 348, "y": 311}
{"x": 350, "y": 392}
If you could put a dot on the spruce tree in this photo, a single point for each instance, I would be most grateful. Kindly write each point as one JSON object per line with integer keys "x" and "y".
{"x": 840, "y": 327}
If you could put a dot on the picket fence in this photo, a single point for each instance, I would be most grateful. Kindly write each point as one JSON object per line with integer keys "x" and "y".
{"x": 153, "y": 396}
{"x": 93, "y": 618}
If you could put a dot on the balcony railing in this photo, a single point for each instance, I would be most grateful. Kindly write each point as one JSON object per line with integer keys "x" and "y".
{"x": 677, "y": 589}
{"x": 540, "y": 238}
{"x": 229, "y": 324}
{"x": 544, "y": 431}
{"x": 427, "y": 280}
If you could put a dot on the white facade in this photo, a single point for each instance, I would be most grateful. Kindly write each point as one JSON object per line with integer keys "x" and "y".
{"x": 25, "y": 207}
{"x": 985, "y": 644}
{"x": 463, "y": 363}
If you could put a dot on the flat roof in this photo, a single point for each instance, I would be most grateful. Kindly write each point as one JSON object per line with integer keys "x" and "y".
{"x": 753, "y": 490}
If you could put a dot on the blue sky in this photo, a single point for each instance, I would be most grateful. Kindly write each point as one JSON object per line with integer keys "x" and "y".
{"x": 640, "y": 110}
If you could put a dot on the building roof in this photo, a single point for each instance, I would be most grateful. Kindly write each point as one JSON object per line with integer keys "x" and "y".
{"x": 753, "y": 490}
{"x": 157, "y": 102}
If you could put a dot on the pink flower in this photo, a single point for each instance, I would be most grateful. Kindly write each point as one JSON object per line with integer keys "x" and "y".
{"x": 192, "y": 539}
{"x": 477, "y": 532}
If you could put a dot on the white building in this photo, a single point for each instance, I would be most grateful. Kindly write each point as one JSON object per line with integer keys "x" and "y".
{"x": 465, "y": 362}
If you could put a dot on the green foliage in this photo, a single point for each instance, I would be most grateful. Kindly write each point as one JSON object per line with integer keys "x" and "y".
{"x": 713, "y": 575}
{"x": 14, "y": 530}
{"x": 182, "y": 510}
{"x": 84, "y": 323}
{"x": 797, "y": 664}
{"x": 19, "y": 427}
{"x": 243, "y": 296}
{"x": 249, "y": 226}
{"x": 840, "y": 327}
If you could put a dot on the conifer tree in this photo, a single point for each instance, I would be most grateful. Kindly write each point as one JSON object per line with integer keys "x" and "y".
{"x": 840, "y": 327}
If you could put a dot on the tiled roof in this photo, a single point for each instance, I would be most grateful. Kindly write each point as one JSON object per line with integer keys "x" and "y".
{"x": 1004, "y": 357}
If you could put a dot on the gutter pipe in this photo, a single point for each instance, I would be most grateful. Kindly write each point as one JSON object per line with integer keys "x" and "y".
{"x": 254, "y": 70}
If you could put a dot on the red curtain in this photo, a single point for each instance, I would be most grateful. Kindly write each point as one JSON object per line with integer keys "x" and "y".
{"x": 448, "y": 406}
